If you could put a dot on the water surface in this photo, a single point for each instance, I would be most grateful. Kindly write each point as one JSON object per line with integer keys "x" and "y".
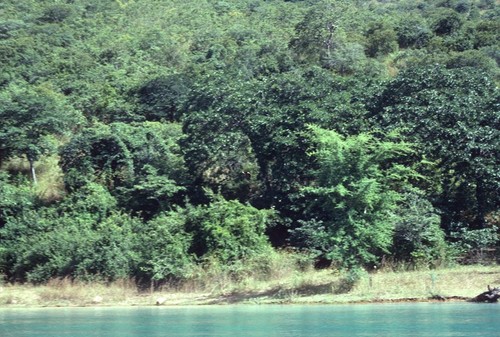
{"x": 421, "y": 319}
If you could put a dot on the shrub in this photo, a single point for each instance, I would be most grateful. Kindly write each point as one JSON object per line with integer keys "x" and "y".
{"x": 474, "y": 245}
{"x": 228, "y": 230}
{"x": 163, "y": 247}
{"x": 82, "y": 237}
{"x": 418, "y": 237}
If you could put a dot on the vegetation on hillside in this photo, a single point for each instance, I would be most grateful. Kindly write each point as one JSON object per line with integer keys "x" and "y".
{"x": 148, "y": 139}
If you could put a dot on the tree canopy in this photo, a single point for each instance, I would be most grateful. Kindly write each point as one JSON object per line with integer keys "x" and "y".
{"x": 181, "y": 133}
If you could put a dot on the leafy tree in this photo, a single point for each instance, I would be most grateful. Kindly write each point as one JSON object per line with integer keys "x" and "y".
{"x": 473, "y": 59}
{"x": 97, "y": 155}
{"x": 139, "y": 163}
{"x": 56, "y": 13}
{"x": 221, "y": 159}
{"x": 474, "y": 245}
{"x": 347, "y": 59}
{"x": 16, "y": 197}
{"x": 322, "y": 30}
{"x": 486, "y": 33}
{"x": 162, "y": 98}
{"x": 248, "y": 139}
{"x": 30, "y": 116}
{"x": 412, "y": 32}
{"x": 160, "y": 175}
{"x": 381, "y": 39}
{"x": 354, "y": 196}
{"x": 418, "y": 237}
{"x": 446, "y": 21}
{"x": 453, "y": 115}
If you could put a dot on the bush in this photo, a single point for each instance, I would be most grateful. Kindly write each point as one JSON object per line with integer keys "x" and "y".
{"x": 163, "y": 247}
{"x": 418, "y": 237}
{"x": 82, "y": 237}
{"x": 353, "y": 198}
{"x": 413, "y": 33}
{"x": 228, "y": 230}
{"x": 475, "y": 245}
{"x": 446, "y": 21}
{"x": 14, "y": 198}
{"x": 381, "y": 40}
{"x": 56, "y": 13}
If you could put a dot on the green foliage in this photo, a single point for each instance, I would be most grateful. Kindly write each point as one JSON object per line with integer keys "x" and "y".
{"x": 381, "y": 39}
{"x": 56, "y": 13}
{"x": 97, "y": 154}
{"x": 83, "y": 237}
{"x": 472, "y": 245}
{"x": 347, "y": 59}
{"x": 15, "y": 198}
{"x": 139, "y": 163}
{"x": 220, "y": 155}
{"x": 162, "y": 98}
{"x": 413, "y": 32}
{"x": 355, "y": 195}
{"x": 228, "y": 231}
{"x": 30, "y": 115}
{"x": 446, "y": 22}
{"x": 163, "y": 246}
{"x": 418, "y": 237}
{"x": 324, "y": 29}
{"x": 486, "y": 33}
{"x": 159, "y": 104}
{"x": 454, "y": 115}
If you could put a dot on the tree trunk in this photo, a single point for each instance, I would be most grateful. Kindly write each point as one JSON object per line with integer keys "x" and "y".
{"x": 32, "y": 170}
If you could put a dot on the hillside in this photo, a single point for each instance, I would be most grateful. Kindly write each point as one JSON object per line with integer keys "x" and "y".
{"x": 149, "y": 140}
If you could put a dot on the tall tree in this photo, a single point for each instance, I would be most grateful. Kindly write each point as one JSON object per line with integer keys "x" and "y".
{"x": 358, "y": 183}
{"x": 454, "y": 116}
{"x": 30, "y": 116}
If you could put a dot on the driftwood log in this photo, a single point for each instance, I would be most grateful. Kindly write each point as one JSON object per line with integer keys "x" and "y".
{"x": 490, "y": 296}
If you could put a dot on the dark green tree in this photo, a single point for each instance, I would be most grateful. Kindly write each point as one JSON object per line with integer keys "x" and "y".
{"x": 323, "y": 29}
{"x": 16, "y": 198}
{"x": 139, "y": 163}
{"x": 381, "y": 39}
{"x": 418, "y": 237}
{"x": 453, "y": 116}
{"x": 446, "y": 21}
{"x": 413, "y": 32}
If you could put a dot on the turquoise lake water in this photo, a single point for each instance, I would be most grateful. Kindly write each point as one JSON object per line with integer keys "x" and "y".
{"x": 422, "y": 319}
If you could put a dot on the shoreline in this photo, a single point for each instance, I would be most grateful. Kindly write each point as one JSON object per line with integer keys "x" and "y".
{"x": 181, "y": 301}
{"x": 458, "y": 284}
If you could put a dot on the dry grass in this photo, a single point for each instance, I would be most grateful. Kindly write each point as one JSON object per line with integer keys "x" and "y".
{"x": 458, "y": 282}
{"x": 50, "y": 184}
{"x": 292, "y": 283}
{"x": 284, "y": 278}
{"x": 64, "y": 292}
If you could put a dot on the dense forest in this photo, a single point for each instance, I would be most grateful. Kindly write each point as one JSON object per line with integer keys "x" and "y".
{"x": 141, "y": 138}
